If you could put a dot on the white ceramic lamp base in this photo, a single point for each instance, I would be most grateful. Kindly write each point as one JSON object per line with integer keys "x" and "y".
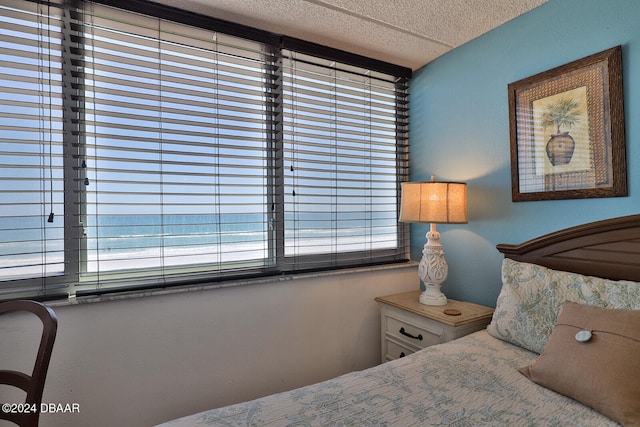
{"x": 433, "y": 269}
{"x": 433, "y": 296}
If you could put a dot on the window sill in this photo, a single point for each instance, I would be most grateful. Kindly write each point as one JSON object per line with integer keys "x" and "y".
{"x": 227, "y": 284}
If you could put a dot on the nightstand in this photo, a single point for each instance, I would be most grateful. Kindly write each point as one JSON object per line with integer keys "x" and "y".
{"x": 408, "y": 326}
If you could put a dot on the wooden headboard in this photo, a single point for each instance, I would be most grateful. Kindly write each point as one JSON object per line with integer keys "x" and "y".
{"x": 608, "y": 248}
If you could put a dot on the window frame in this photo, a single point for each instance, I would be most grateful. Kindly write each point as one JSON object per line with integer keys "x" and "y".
{"x": 57, "y": 287}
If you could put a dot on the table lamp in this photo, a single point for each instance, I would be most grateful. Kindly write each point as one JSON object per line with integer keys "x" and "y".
{"x": 435, "y": 203}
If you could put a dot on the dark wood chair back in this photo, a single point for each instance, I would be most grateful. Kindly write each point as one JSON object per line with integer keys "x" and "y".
{"x": 32, "y": 383}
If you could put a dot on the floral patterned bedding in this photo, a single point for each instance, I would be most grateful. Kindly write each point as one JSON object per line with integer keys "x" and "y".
{"x": 472, "y": 381}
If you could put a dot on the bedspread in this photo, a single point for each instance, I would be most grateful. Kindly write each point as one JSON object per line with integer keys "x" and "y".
{"x": 472, "y": 381}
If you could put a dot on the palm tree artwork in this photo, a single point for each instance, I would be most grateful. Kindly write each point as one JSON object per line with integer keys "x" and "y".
{"x": 565, "y": 112}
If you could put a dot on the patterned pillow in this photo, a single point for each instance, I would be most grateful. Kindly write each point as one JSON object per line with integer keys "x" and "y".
{"x": 531, "y": 296}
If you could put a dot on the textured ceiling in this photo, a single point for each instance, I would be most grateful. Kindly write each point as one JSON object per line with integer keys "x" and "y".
{"x": 410, "y": 33}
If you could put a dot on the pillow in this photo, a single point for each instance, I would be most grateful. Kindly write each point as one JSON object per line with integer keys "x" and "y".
{"x": 531, "y": 296}
{"x": 603, "y": 372}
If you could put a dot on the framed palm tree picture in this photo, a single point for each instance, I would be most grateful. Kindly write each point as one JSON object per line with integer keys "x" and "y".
{"x": 567, "y": 131}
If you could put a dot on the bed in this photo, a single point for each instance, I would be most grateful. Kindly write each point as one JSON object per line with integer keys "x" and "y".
{"x": 562, "y": 349}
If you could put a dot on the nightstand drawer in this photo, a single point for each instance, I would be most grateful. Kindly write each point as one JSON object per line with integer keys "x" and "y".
{"x": 403, "y": 330}
{"x": 394, "y": 350}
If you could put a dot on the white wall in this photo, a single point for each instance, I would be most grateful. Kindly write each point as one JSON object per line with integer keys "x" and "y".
{"x": 142, "y": 361}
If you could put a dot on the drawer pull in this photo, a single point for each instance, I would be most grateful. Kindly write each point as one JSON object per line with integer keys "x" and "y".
{"x": 406, "y": 334}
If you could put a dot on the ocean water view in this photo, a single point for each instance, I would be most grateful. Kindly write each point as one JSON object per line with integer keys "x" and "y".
{"x": 128, "y": 242}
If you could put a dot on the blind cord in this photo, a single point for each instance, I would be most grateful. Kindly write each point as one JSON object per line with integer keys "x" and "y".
{"x": 51, "y": 214}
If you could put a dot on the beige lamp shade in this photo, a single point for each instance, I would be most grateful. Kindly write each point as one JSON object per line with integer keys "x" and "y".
{"x": 434, "y": 202}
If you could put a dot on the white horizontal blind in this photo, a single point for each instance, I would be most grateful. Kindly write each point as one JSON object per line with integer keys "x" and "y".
{"x": 341, "y": 163}
{"x": 176, "y": 150}
{"x": 31, "y": 155}
{"x": 167, "y": 153}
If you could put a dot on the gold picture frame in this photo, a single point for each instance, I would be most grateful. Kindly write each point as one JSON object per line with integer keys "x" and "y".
{"x": 567, "y": 131}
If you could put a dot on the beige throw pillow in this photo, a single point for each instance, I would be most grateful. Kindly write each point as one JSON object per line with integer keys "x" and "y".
{"x": 603, "y": 372}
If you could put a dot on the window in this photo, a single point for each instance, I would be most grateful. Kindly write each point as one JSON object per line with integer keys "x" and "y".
{"x": 138, "y": 151}
{"x": 31, "y": 147}
{"x": 175, "y": 148}
{"x": 340, "y": 153}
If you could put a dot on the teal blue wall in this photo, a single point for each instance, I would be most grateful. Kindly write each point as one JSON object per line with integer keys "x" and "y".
{"x": 460, "y": 131}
